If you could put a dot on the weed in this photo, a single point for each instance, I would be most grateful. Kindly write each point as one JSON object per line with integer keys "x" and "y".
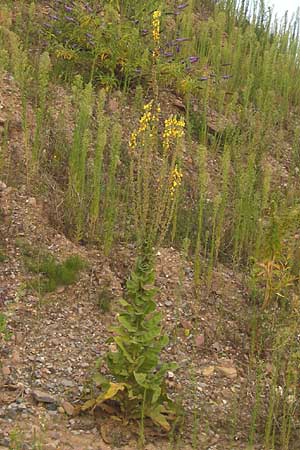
{"x": 52, "y": 274}
{"x": 104, "y": 300}
{"x": 3, "y": 256}
{"x": 133, "y": 360}
{"x": 3, "y": 327}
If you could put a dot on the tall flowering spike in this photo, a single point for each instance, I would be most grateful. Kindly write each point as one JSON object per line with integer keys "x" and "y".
{"x": 148, "y": 121}
{"x": 175, "y": 181}
{"x": 156, "y": 26}
{"x": 155, "y": 32}
{"x": 174, "y": 129}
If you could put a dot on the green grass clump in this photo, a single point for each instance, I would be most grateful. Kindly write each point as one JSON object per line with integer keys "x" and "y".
{"x": 3, "y": 327}
{"x": 3, "y": 256}
{"x": 52, "y": 274}
{"x": 104, "y": 300}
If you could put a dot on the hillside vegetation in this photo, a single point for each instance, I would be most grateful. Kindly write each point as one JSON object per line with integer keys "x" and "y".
{"x": 152, "y": 140}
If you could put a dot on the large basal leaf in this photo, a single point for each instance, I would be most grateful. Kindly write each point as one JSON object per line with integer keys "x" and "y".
{"x": 158, "y": 415}
{"x": 111, "y": 392}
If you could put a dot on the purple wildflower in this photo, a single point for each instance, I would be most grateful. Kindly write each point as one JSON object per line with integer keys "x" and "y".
{"x": 88, "y": 8}
{"x": 182, "y": 6}
{"x": 70, "y": 19}
{"x": 203, "y": 78}
{"x": 53, "y": 16}
{"x": 182, "y": 39}
{"x": 168, "y": 54}
{"x": 226, "y": 77}
{"x": 89, "y": 35}
{"x": 144, "y": 32}
{"x": 193, "y": 59}
{"x": 68, "y": 8}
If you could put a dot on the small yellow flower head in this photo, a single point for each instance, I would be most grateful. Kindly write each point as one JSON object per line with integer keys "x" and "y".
{"x": 147, "y": 122}
{"x": 155, "y": 31}
{"x": 133, "y": 140}
{"x": 65, "y": 54}
{"x": 175, "y": 181}
{"x": 174, "y": 129}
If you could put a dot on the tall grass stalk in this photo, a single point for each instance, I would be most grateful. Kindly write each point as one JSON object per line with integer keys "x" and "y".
{"x": 111, "y": 195}
{"x": 97, "y": 176}
{"x": 43, "y": 86}
{"x": 76, "y": 195}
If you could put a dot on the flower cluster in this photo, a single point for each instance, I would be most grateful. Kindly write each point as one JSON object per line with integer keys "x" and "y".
{"x": 148, "y": 121}
{"x": 174, "y": 129}
{"x": 176, "y": 180}
{"x": 156, "y": 26}
{"x": 66, "y": 54}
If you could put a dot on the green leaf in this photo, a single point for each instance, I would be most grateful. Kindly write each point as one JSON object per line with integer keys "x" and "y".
{"x": 126, "y": 323}
{"x": 156, "y": 414}
{"x": 118, "y": 341}
{"x": 100, "y": 380}
{"x": 156, "y": 395}
{"x": 111, "y": 392}
{"x": 140, "y": 378}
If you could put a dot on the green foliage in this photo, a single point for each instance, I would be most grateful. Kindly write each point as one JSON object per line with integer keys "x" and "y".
{"x": 3, "y": 256}
{"x": 139, "y": 376}
{"x": 3, "y": 328}
{"x": 76, "y": 196}
{"x": 99, "y": 39}
{"x": 51, "y": 274}
{"x": 104, "y": 300}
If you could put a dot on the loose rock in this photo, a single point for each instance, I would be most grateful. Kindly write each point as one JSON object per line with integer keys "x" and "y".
{"x": 43, "y": 397}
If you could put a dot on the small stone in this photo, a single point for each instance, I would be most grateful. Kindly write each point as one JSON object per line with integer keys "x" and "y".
{"x": 199, "y": 340}
{"x": 6, "y": 371}
{"x": 15, "y": 357}
{"x": 208, "y": 371}
{"x": 186, "y": 324}
{"x": 18, "y": 338}
{"x": 67, "y": 383}
{"x": 170, "y": 375}
{"x": 61, "y": 410}
{"x": 68, "y": 408}
{"x": 43, "y": 397}
{"x": 229, "y": 372}
{"x": 168, "y": 303}
{"x": 31, "y": 201}
{"x": 2, "y": 186}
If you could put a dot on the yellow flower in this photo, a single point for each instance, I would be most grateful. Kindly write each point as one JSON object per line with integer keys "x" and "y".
{"x": 174, "y": 129}
{"x": 176, "y": 180}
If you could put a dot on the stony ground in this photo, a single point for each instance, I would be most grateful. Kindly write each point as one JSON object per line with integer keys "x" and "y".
{"x": 54, "y": 341}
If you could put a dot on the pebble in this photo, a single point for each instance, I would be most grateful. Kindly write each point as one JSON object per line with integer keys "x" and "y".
{"x": 68, "y": 408}
{"x": 67, "y": 383}
{"x": 43, "y": 397}
{"x": 2, "y": 186}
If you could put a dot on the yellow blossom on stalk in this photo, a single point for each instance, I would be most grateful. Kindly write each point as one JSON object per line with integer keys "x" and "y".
{"x": 65, "y": 54}
{"x": 156, "y": 25}
{"x": 147, "y": 122}
{"x": 133, "y": 140}
{"x": 176, "y": 180}
{"x": 174, "y": 129}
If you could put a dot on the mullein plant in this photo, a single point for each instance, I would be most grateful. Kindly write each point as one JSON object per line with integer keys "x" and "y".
{"x": 137, "y": 381}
